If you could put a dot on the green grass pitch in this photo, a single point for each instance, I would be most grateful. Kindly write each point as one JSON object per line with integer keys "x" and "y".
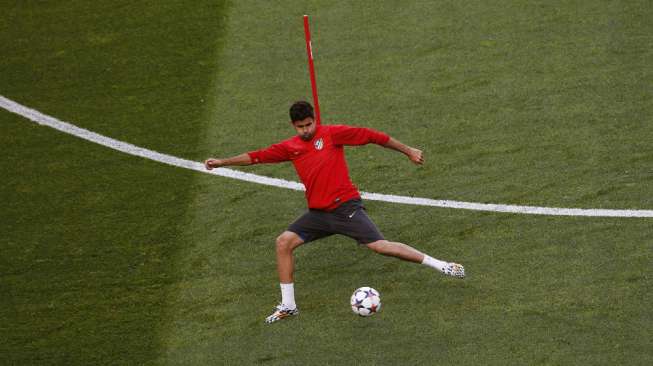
{"x": 112, "y": 259}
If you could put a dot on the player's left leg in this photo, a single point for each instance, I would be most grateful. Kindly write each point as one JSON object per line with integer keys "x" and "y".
{"x": 395, "y": 249}
{"x": 350, "y": 219}
{"x": 408, "y": 253}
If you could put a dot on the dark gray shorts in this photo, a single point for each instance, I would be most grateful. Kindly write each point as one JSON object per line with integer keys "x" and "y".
{"x": 349, "y": 219}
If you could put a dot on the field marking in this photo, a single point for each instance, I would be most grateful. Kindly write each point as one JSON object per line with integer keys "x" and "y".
{"x": 45, "y": 120}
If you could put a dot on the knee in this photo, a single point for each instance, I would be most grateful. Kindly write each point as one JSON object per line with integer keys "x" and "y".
{"x": 286, "y": 242}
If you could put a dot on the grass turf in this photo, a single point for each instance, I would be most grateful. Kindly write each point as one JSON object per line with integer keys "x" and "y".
{"x": 111, "y": 259}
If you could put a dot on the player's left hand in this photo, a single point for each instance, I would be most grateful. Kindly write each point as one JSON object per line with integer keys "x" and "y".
{"x": 416, "y": 156}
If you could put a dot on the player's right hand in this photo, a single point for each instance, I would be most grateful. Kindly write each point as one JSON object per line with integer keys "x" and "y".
{"x": 209, "y": 164}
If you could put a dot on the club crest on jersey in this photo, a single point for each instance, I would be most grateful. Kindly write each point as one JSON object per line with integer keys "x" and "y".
{"x": 319, "y": 144}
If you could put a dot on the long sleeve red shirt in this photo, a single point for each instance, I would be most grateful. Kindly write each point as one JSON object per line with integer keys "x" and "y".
{"x": 320, "y": 163}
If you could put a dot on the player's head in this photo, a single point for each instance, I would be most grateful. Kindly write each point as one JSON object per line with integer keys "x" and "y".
{"x": 303, "y": 120}
{"x": 301, "y": 110}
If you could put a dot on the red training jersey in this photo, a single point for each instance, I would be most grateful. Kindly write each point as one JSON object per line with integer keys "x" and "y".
{"x": 320, "y": 163}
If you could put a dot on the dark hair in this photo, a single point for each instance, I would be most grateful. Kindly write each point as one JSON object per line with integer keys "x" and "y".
{"x": 300, "y": 111}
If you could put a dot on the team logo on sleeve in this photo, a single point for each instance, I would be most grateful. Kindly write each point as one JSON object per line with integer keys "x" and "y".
{"x": 319, "y": 144}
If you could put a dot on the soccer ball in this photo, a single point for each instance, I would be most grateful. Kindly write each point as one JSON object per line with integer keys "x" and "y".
{"x": 366, "y": 301}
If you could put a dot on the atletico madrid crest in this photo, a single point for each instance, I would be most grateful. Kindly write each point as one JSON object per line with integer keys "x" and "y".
{"x": 319, "y": 144}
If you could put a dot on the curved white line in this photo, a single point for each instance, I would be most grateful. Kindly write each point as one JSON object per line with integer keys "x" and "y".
{"x": 71, "y": 129}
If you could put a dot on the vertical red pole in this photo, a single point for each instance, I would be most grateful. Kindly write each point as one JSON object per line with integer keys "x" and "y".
{"x": 311, "y": 68}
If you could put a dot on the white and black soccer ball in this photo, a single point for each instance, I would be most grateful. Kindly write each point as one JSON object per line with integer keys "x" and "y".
{"x": 365, "y": 301}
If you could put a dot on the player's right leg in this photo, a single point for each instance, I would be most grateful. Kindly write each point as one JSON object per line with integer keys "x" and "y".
{"x": 285, "y": 244}
{"x": 309, "y": 227}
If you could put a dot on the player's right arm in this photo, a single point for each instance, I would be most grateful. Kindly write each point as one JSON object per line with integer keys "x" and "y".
{"x": 273, "y": 154}
{"x": 242, "y": 159}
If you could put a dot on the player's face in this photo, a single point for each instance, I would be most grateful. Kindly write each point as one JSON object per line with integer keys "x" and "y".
{"x": 305, "y": 128}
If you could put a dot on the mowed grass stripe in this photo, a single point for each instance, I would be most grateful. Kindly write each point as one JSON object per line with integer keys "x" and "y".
{"x": 89, "y": 235}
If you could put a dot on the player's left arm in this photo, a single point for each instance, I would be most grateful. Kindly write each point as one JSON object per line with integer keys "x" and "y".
{"x": 347, "y": 135}
{"x": 415, "y": 155}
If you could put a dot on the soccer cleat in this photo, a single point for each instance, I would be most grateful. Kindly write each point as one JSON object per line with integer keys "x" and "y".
{"x": 281, "y": 312}
{"x": 454, "y": 270}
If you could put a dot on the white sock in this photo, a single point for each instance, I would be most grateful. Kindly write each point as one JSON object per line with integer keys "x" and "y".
{"x": 435, "y": 263}
{"x": 288, "y": 295}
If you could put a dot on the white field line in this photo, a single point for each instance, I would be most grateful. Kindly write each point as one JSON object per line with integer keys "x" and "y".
{"x": 45, "y": 120}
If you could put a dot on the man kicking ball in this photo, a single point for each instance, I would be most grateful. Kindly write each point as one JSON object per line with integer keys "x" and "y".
{"x": 335, "y": 206}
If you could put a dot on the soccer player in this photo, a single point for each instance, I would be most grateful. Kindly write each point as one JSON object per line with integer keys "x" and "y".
{"x": 335, "y": 206}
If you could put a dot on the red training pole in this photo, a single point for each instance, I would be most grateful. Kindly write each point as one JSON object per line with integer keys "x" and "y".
{"x": 311, "y": 68}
